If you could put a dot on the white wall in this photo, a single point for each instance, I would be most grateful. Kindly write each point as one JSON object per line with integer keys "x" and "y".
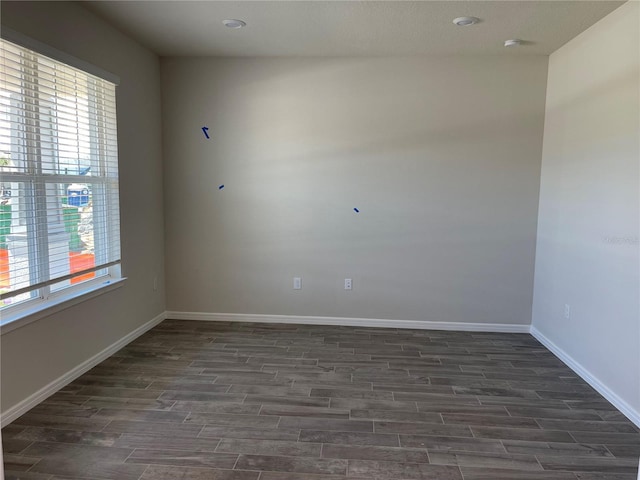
{"x": 587, "y": 248}
{"x": 37, "y": 354}
{"x": 441, "y": 156}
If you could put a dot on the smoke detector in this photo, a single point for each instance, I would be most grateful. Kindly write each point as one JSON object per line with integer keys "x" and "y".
{"x": 514, "y": 42}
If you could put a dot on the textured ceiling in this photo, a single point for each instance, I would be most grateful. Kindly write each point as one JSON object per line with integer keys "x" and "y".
{"x": 350, "y": 28}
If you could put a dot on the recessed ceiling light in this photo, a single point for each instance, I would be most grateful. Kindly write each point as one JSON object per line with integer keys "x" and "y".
{"x": 465, "y": 21}
{"x": 232, "y": 23}
{"x": 514, "y": 42}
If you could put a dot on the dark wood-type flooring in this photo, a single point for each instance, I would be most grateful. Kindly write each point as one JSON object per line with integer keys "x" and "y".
{"x": 219, "y": 401}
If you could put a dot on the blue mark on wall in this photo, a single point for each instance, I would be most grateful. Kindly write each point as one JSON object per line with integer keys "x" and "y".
{"x": 356, "y": 210}
{"x": 220, "y": 187}
{"x": 204, "y": 130}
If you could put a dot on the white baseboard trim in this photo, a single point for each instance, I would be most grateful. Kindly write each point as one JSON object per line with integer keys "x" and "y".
{"x": 600, "y": 387}
{"x": 351, "y": 322}
{"x": 31, "y": 401}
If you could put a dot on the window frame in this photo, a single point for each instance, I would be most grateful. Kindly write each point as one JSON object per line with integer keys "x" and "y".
{"x": 47, "y": 301}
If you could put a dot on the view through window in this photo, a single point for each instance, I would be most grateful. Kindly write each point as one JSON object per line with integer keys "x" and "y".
{"x": 59, "y": 208}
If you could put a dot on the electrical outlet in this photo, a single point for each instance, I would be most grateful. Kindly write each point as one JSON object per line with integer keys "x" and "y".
{"x": 297, "y": 283}
{"x": 347, "y": 284}
{"x": 567, "y": 311}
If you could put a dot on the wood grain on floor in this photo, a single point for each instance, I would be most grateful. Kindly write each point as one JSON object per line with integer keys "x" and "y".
{"x": 244, "y": 401}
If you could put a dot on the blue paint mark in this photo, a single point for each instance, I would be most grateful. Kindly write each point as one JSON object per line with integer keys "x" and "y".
{"x": 220, "y": 187}
{"x": 356, "y": 210}
{"x": 204, "y": 130}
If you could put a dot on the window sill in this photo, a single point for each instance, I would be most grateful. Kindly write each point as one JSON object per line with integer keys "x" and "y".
{"x": 9, "y": 323}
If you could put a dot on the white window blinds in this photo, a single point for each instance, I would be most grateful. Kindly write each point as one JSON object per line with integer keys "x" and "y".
{"x": 59, "y": 211}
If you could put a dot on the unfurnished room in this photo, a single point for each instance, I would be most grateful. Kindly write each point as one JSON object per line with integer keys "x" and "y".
{"x": 320, "y": 240}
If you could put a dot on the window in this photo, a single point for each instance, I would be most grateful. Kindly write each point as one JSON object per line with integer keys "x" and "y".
{"x": 59, "y": 209}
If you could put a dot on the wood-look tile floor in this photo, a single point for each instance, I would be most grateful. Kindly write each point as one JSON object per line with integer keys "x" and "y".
{"x": 217, "y": 401}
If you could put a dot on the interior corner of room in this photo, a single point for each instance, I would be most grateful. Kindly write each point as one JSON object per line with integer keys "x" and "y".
{"x": 492, "y": 191}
